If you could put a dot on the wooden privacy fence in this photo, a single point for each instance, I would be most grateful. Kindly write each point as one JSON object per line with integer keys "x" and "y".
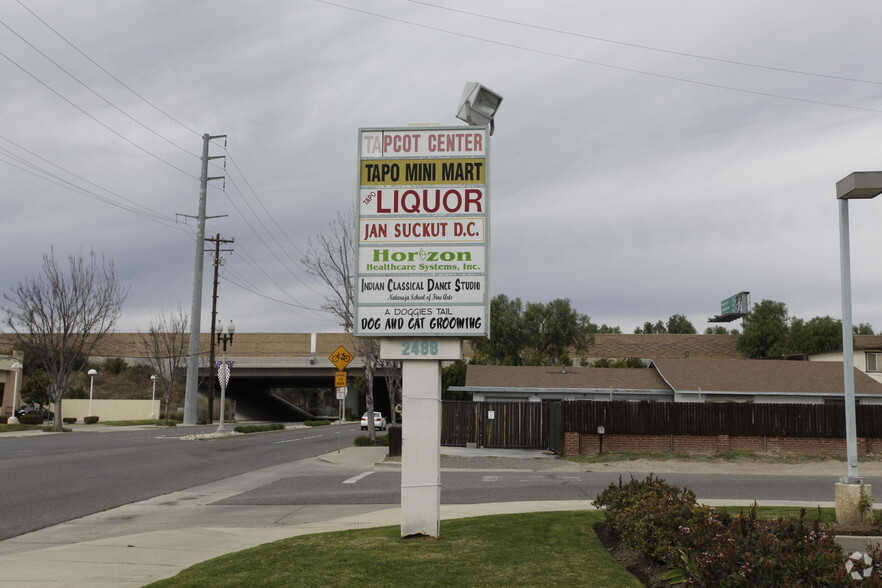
{"x": 542, "y": 424}
{"x": 495, "y": 424}
{"x": 728, "y": 418}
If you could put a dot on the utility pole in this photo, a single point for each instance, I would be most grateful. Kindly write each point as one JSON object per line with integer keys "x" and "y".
{"x": 211, "y": 357}
{"x": 192, "y": 388}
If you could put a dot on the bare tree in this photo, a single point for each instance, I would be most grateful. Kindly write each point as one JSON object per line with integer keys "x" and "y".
{"x": 392, "y": 374}
{"x": 60, "y": 317}
{"x": 330, "y": 258}
{"x": 165, "y": 346}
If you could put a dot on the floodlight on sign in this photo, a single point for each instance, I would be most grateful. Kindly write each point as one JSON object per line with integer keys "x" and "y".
{"x": 478, "y": 105}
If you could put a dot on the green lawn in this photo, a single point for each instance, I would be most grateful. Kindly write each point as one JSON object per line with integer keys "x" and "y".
{"x": 533, "y": 549}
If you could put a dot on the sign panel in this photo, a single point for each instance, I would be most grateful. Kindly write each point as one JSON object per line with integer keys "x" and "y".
{"x": 341, "y": 358}
{"x": 421, "y": 230}
{"x": 424, "y": 259}
{"x": 423, "y": 223}
{"x": 440, "y": 289}
{"x": 339, "y": 379}
{"x": 429, "y": 142}
{"x": 436, "y": 348}
{"x": 404, "y": 201}
{"x": 441, "y": 320}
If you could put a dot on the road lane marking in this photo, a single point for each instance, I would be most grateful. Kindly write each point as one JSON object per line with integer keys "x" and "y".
{"x": 355, "y": 479}
{"x": 298, "y": 439}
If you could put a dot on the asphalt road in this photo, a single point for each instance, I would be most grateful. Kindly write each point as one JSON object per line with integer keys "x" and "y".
{"x": 459, "y": 487}
{"x": 46, "y": 480}
{"x": 49, "y": 479}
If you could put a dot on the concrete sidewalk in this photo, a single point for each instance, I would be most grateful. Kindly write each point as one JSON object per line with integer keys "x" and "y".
{"x": 140, "y": 543}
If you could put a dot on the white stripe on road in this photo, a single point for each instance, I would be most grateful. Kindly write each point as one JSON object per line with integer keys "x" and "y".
{"x": 355, "y": 479}
{"x": 298, "y": 439}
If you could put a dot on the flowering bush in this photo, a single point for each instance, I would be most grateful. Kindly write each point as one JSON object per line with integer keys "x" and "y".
{"x": 650, "y": 515}
{"x": 707, "y": 548}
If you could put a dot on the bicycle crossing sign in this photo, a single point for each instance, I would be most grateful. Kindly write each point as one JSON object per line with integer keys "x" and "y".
{"x": 341, "y": 358}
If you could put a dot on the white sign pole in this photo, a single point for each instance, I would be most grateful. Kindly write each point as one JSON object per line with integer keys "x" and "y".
{"x": 421, "y": 448}
{"x": 421, "y": 428}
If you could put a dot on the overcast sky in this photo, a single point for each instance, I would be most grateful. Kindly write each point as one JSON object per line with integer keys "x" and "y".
{"x": 650, "y": 158}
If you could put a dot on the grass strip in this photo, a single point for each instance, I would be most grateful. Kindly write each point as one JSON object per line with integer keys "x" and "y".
{"x": 531, "y": 549}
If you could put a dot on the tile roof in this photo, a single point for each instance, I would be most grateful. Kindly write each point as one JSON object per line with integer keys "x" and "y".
{"x": 681, "y": 375}
{"x": 496, "y": 376}
{"x": 767, "y": 376}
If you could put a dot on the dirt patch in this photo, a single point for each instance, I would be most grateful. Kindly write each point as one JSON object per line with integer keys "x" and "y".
{"x": 645, "y": 569}
{"x": 771, "y": 464}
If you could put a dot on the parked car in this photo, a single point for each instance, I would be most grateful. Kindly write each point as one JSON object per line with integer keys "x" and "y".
{"x": 379, "y": 421}
{"x": 27, "y": 409}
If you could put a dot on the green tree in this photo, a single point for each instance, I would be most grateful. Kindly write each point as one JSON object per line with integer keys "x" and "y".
{"x": 552, "y": 330}
{"x": 818, "y": 335}
{"x": 535, "y": 334}
{"x": 863, "y": 329}
{"x": 454, "y": 375}
{"x": 766, "y": 330}
{"x": 678, "y": 324}
{"x": 719, "y": 330}
{"x": 604, "y": 328}
{"x": 507, "y": 340}
{"x": 649, "y": 328}
{"x": 626, "y": 362}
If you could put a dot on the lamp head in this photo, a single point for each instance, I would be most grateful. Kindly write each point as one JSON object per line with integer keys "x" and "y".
{"x": 859, "y": 185}
{"x": 478, "y": 105}
{"x": 92, "y": 372}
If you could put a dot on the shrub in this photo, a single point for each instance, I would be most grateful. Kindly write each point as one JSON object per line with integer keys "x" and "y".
{"x": 741, "y": 551}
{"x": 31, "y": 419}
{"x": 3, "y": 420}
{"x": 316, "y": 423}
{"x": 69, "y": 420}
{"x": 259, "y": 428}
{"x": 365, "y": 441}
{"x": 648, "y": 514}
{"x": 706, "y": 548}
{"x": 90, "y": 420}
{"x": 115, "y": 365}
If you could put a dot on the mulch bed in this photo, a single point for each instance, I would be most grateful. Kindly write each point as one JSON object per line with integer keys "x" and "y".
{"x": 645, "y": 569}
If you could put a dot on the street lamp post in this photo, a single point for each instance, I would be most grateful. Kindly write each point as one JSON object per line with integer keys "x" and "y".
{"x": 851, "y": 490}
{"x": 153, "y": 398}
{"x": 92, "y": 373}
{"x": 224, "y": 337}
{"x": 17, "y": 366}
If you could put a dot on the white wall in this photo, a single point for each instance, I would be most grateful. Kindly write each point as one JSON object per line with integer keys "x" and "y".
{"x": 108, "y": 410}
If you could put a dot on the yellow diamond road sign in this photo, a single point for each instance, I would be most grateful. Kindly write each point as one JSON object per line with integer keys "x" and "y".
{"x": 341, "y": 358}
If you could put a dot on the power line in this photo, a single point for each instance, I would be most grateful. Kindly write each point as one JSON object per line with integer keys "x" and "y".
{"x": 647, "y": 47}
{"x": 146, "y": 211}
{"x": 96, "y": 64}
{"x": 601, "y": 64}
{"x": 273, "y": 219}
{"x": 117, "y": 133}
{"x": 86, "y": 86}
{"x": 57, "y": 180}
